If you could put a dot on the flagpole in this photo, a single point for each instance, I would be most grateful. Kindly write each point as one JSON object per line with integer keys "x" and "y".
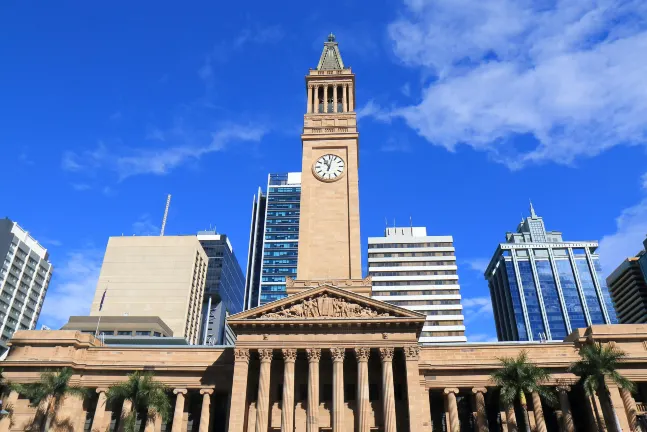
{"x": 96, "y": 332}
{"x": 103, "y": 297}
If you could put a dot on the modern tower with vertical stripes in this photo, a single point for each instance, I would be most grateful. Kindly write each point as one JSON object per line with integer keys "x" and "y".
{"x": 543, "y": 287}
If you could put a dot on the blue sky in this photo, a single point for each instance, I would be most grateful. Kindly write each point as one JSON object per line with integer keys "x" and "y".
{"x": 467, "y": 110}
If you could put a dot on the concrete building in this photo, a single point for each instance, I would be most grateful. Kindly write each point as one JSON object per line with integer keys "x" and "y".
{"x": 273, "y": 239}
{"x": 544, "y": 288}
{"x": 628, "y": 287}
{"x": 24, "y": 277}
{"x": 328, "y": 357}
{"x": 154, "y": 276}
{"x": 225, "y": 287}
{"x": 418, "y": 272}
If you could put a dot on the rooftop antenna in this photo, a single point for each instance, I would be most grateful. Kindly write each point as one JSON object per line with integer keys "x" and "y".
{"x": 168, "y": 203}
{"x": 411, "y": 224}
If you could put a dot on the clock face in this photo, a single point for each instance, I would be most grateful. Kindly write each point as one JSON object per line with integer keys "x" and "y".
{"x": 328, "y": 167}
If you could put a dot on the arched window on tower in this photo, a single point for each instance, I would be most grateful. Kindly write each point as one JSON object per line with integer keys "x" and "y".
{"x": 330, "y": 100}
{"x": 340, "y": 99}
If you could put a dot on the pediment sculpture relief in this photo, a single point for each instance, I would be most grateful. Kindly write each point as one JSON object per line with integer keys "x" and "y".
{"x": 324, "y": 307}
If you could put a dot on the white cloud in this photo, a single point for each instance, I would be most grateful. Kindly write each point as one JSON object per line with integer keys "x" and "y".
{"x": 644, "y": 180}
{"x": 631, "y": 229}
{"x": 477, "y": 308}
{"x": 72, "y": 287}
{"x": 144, "y": 227}
{"x": 190, "y": 144}
{"x": 481, "y": 337}
{"x": 567, "y": 75}
{"x": 477, "y": 264}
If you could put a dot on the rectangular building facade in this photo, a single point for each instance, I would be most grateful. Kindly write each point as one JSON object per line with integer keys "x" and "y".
{"x": 224, "y": 289}
{"x": 628, "y": 286}
{"x": 274, "y": 239}
{"x": 418, "y": 272}
{"x": 24, "y": 278}
{"x": 543, "y": 288}
{"x": 161, "y": 276}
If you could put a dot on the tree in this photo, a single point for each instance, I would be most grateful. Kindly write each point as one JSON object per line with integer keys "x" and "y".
{"x": 51, "y": 390}
{"x": 145, "y": 394}
{"x": 518, "y": 376}
{"x": 598, "y": 362}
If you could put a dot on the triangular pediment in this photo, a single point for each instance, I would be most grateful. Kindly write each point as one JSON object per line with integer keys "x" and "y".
{"x": 325, "y": 303}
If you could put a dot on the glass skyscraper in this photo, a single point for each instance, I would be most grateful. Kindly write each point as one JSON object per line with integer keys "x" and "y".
{"x": 273, "y": 240}
{"x": 543, "y": 287}
{"x": 224, "y": 288}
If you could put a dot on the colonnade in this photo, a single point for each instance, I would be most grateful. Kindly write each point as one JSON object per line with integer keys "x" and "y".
{"x": 338, "y": 355}
{"x": 316, "y": 90}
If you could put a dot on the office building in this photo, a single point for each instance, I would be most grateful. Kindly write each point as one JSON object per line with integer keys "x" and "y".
{"x": 24, "y": 278}
{"x": 628, "y": 286}
{"x": 154, "y": 276}
{"x": 224, "y": 288}
{"x": 418, "y": 272}
{"x": 543, "y": 287}
{"x": 273, "y": 239}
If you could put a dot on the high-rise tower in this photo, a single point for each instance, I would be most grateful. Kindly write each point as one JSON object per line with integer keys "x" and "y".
{"x": 544, "y": 288}
{"x": 329, "y": 237}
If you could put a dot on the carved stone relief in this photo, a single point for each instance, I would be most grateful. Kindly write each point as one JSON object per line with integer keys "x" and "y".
{"x": 324, "y": 306}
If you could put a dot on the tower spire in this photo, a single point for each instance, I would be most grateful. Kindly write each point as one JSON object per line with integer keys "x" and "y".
{"x": 330, "y": 57}
{"x": 532, "y": 211}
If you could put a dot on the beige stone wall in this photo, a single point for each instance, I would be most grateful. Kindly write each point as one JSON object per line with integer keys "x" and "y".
{"x": 154, "y": 276}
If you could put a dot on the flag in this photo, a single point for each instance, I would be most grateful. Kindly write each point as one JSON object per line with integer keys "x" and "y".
{"x": 103, "y": 297}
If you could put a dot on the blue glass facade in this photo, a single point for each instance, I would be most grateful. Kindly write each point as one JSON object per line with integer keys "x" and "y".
{"x": 224, "y": 288}
{"x": 543, "y": 287}
{"x": 276, "y": 256}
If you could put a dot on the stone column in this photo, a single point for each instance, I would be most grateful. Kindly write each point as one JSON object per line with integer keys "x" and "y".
{"x": 351, "y": 102}
{"x": 287, "y": 409}
{"x": 412, "y": 354}
{"x": 263, "y": 400}
{"x": 565, "y": 405}
{"x": 338, "y": 389}
{"x": 11, "y": 400}
{"x": 309, "y": 106}
{"x": 363, "y": 404}
{"x": 325, "y": 98}
{"x": 97, "y": 421}
{"x": 511, "y": 419}
{"x": 125, "y": 410}
{"x": 238, "y": 400}
{"x": 630, "y": 408}
{"x": 388, "y": 398}
{"x": 312, "y": 414}
{"x": 178, "y": 415}
{"x": 205, "y": 414}
{"x": 539, "y": 413}
{"x": 481, "y": 416}
{"x": 334, "y": 98}
{"x": 344, "y": 98}
{"x": 452, "y": 407}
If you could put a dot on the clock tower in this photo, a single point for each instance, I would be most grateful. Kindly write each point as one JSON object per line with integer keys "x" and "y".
{"x": 329, "y": 236}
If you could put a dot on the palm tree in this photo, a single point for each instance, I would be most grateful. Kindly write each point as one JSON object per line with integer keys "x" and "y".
{"x": 51, "y": 390}
{"x": 597, "y": 363}
{"x": 517, "y": 377}
{"x": 145, "y": 394}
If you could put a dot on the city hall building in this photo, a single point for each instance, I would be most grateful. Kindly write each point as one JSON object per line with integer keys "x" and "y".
{"x": 327, "y": 357}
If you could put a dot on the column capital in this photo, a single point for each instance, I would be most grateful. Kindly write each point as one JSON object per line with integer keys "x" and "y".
{"x": 206, "y": 391}
{"x": 386, "y": 354}
{"x": 563, "y": 388}
{"x": 481, "y": 390}
{"x": 337, "y": 354}
{"x": 314, "y": 354}
{"x": 101, "y": 390}
{"x": 412, "y": 352}
{"x": 450, "y": 390}
{"x": 241, "y": 355}
{"x": 289, "y": 354}
{"x": 181, "y": 391}
{"x": 266, "y": 354}
{"x": 362, "y": 354}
